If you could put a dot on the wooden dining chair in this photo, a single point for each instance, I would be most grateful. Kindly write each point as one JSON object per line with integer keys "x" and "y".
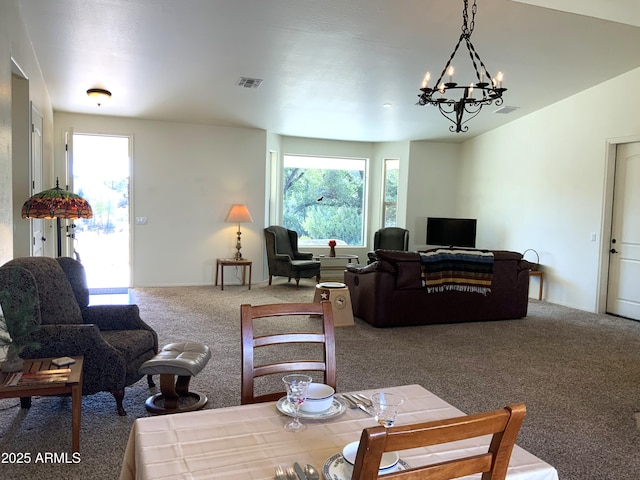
{"x": 302, "y": 314}
{"x": 502, "y": 424}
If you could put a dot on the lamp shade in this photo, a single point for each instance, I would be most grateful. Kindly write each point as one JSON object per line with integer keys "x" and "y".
{"x": 239, "y": 214}
{"x": 56, "y": 203}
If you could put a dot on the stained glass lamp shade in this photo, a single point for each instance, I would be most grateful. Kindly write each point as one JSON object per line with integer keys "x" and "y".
{"x": 57, "y": 203}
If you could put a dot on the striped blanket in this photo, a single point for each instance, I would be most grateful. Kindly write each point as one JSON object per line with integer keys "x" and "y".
{"x": 459, "y": 270}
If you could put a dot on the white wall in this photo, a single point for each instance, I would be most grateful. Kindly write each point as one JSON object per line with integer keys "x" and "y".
{"x": 14, "y": 43}
{"x": 432, "y": 187}
{"x": 539, "y": 182}
{"x": 185, "y": 178}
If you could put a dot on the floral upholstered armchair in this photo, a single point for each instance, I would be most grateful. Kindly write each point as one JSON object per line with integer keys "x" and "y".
{"x": 112, "y": 338}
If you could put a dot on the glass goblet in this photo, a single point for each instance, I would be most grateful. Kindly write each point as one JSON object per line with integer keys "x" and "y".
{"x": 297, "y": 386}
{"x": 385, "y": 406}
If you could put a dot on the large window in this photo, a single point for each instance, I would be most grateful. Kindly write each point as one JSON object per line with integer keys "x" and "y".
{"x": 390, "y": 202}
{"x": 323, "y": 199}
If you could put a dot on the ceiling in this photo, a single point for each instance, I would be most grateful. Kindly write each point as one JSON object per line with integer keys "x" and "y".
{"x": 328, "y": 66}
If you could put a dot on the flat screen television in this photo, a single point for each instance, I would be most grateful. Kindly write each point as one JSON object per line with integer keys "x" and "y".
{"x": 451, "y": 232}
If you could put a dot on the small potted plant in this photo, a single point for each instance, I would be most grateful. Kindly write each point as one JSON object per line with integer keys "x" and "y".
{"x": 16, "y": 330}
{"x": 332, "y": 246}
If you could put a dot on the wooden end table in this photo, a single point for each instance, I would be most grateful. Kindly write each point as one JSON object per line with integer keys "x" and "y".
{"x": 65, "y": 383}
{"x": 540, "y": 275}
{"x": 226, "y": 262}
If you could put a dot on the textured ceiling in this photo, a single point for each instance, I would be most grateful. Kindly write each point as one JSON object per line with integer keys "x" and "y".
{"x": 328, "y": 66}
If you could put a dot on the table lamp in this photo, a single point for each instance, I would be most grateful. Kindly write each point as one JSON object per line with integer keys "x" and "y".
{"x": 238, "y": 214}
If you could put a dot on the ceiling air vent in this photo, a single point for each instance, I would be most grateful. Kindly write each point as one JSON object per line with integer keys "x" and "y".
{"x": 249, "y": 82}
{"x": 506, "y": 109}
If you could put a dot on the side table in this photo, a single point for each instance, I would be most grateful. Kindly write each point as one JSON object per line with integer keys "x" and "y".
{"x": 540, "y": 275}
{"x": 226, "y": 262}
{"x": 331, "y": 270}
{"x": 43, "y": 383}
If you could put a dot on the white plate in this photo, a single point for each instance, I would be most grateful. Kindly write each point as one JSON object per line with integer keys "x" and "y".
{"x": 337, "y": 468}
{"x": 336, "y": 408}
{"x": 332, "y": 285}
{"x": 388, "y": 460}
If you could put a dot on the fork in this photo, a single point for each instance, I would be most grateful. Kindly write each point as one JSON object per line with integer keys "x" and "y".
{"x": 280, "y": 475}
{"x": 291, "y": 474}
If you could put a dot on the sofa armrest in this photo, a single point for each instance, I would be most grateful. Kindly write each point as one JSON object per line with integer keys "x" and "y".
{"x": 303, "y": 255}
{"x": 378, "y": 266}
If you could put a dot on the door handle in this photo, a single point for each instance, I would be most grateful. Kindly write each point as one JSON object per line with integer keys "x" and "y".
{"x": 613, "y": 250}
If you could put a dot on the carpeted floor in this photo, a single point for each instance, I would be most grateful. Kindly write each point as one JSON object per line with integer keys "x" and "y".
{"x": 577, "y": 372}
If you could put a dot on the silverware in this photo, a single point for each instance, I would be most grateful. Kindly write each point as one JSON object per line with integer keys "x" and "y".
{"x": 350, "y": 403}
{"x": 280, "y": 475}
{"x": 299, "y": 471}
{"x": 360, "y": 404}
{"x": 366, "y": 400}
{"x": 311, "y": 472}
{"x": 291, "y": 474}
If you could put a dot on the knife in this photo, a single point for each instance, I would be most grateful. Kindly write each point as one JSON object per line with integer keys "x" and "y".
{"x": 360, "y": 405}
{"x": 300, "y": 471}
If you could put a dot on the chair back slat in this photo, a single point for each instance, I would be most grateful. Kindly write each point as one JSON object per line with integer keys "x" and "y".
{"x": 503, "y": 425}
{"x": 320, "y": 313}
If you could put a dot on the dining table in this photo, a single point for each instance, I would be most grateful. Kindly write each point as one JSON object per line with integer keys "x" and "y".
{"x": 249, "y": 441}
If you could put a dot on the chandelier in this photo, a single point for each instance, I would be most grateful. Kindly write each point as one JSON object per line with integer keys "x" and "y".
{"x": 472, "y": 97}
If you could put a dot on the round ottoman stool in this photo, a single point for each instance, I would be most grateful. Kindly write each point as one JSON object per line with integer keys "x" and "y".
{"x": 184, "y": 360}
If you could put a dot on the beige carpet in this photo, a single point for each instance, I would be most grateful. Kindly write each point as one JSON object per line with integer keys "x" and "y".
{"x": 578, "y": 373}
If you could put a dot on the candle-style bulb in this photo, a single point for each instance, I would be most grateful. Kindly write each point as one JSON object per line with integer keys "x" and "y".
{"x": 499, "y": 78}
{"x": 425, "y": 80}
{"x": 450, "y": 71}
{"x": 470, "y": 91}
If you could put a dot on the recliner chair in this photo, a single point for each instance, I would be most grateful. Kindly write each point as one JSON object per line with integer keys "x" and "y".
{"x": 389, "y": 238}
{"x": 283, "y": 257}
{"x": 113, "y": 339}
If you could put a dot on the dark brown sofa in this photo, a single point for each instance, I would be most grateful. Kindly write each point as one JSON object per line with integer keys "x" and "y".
{"x": 391, "y": 292}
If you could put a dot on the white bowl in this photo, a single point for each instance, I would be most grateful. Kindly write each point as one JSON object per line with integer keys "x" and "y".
{"x": 319, "y": 398}
{"x": 389, "y": 459}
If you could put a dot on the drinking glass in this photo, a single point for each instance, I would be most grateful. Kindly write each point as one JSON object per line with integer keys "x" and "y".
{"x": 385, "y": 406}
{"x": 297, "y": 386}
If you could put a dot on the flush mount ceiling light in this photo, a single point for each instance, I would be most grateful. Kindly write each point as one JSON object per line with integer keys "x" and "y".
{"x": 473, "y": 96}
{"x": 99, "y": 95}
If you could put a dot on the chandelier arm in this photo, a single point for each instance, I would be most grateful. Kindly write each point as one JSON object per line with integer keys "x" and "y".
{"x": 453, "y": 54}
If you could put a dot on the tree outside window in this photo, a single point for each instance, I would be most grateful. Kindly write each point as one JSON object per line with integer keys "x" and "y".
{"x": 390, "y": 202}
{"x": 323, "y": 199}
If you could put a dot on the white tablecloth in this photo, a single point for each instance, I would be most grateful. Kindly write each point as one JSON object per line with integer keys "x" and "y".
{"x": 247, "y": 442}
